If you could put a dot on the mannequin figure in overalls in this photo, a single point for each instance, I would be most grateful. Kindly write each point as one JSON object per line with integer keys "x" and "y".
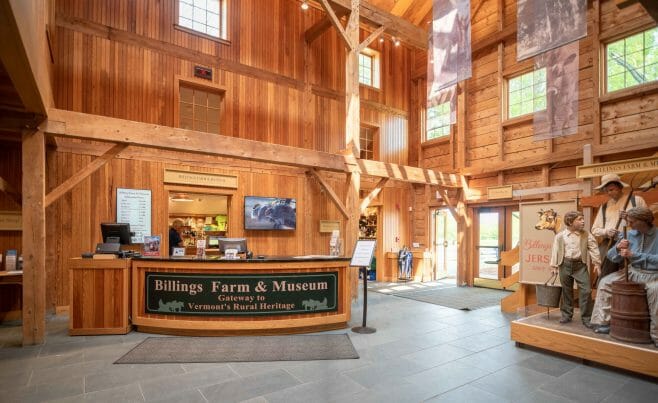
{"x": 405, "y": 262}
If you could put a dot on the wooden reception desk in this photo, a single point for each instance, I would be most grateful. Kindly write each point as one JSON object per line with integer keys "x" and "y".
{"x": 99, "y": 296}
{"x": 188, "y": 296}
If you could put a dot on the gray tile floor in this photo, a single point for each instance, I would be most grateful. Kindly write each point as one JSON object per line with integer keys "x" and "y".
{"x": 420, "y": 353}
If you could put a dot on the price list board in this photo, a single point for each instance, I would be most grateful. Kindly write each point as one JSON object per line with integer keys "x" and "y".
{"x": 134, "y": 207}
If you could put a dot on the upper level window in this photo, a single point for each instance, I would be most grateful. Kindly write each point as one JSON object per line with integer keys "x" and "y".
{"x": 632, "y": 60}
{"x": 199, "y": 108}
{"x": 205, "y": 16}
{"x": 527, "y": 93}
{"x": 367, "y": 143}
{"x": 369, "y": 68}
{"x": 438, "y": 121}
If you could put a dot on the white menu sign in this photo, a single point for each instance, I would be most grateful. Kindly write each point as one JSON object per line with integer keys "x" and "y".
{"x": 134, "y": 207}
{"x": 363, "y": 252}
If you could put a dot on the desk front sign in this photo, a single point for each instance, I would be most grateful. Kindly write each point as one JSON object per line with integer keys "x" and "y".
{"x": 240, "y": 295}
{"x": 200, "y": 179}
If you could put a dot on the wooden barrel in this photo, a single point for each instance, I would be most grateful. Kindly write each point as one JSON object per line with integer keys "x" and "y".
{"x": 630, "y": 312}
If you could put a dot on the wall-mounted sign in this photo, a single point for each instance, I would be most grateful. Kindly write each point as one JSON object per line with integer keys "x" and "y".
{"x": 540, "y": 221}
{"x": 11, "y": 221}
{"x": 617, "y": 167}
{"x": 134, "y": 207}
{"x": 200, "y": 179}
{"x": 203, "y": 72}
{"x": 329, "y": 225}
{"x": 499, "y": 192}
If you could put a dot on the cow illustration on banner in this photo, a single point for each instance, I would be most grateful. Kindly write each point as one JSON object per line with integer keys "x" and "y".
{"x": 540, "y": 221}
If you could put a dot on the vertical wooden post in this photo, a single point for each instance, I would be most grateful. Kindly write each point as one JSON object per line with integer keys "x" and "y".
{"x": 352, "y": 124}
{"x": 587, "y": 188}
{"x": 34, "y": 237}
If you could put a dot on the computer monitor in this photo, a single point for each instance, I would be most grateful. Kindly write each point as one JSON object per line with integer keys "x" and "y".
{"x": 232, "y": 243}
{"x": 116, "y": 232}
{"x": 213, "y": 242}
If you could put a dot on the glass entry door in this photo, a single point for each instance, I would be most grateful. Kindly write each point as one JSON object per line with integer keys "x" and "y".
{"x": 445, "y": 244}
{"x": 496, "y": 230}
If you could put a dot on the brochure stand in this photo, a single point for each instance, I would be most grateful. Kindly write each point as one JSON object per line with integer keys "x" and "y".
{"x": 364, "y": 250}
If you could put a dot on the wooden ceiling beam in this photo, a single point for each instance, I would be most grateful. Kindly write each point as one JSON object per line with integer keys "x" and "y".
{"x": 70, "y": 124}
{"x": 332, "y": 194}
{"x": 651, "y": 6}
{"x": 94, "y": 166}
{"x": 14, "y": 56}
{"x": 395, "y": 26}
{"x": 101, "y": 128}
{"x": 336, "y": 23}
{"x": 407, "y": 173}
{"x": 373, "y": 194}
{"x": 321, "y": 26}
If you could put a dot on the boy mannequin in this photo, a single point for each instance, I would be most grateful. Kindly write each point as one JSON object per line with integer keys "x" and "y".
{"x": 569, "y": 259}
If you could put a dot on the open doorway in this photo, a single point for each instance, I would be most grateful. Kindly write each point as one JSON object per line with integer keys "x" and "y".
{"x": 496, "y": 229}
{"x": 444, "y": 242}
{"x": 203, "y": 215}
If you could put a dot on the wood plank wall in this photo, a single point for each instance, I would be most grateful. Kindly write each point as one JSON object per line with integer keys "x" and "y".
{"x": 622, "y": 121}
{"x": 113, "y": 78}
{"x": 10, "y": 171}
{"x": 122, "y": 59}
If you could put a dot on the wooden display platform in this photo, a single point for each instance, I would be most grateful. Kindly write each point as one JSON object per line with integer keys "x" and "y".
{"x": 576, "y": 340}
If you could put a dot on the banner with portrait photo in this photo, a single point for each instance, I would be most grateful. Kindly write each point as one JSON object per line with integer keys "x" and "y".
{"x": 560, "y": 118}
{"x": 539, "y": 221}
{"x": 450, "y": 44}
{"x": 548, "y": 24}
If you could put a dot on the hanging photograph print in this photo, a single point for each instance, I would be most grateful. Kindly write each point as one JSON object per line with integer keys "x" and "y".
{"x": 547, "y": 24}
{"x": 560, "y": 118}
{"x": 441, "y": 104}
{"x": 450, "y": 44}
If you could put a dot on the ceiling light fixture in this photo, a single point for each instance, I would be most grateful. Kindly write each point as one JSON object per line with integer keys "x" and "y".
{"x": 381, "y": 39}
{"x": 396, "y": 41}
{"x": 304, "y": 5}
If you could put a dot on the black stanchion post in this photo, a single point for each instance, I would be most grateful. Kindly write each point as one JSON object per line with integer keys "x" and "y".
{"x": 363, "y": 329}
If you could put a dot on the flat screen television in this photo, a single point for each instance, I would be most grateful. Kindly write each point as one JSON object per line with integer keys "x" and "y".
{"x": 240, "y": 244}
{"x": 269, "y": 213}
{"x": 116, "y": 232}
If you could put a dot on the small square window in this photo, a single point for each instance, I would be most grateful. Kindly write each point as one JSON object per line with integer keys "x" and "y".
{"x": 632, "y": 60}
{"x": 199, "y": 108}
{"x": 205, "y": 16}
{"x": 527, "y": 93}
{"x": 369, "y": 68}
{"x": 438, "y": 121}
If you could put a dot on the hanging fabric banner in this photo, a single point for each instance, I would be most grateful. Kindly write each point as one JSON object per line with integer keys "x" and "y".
{"x": 560, "y": 118}
{"x": 439, "y": 97}
{"x": 450, "y": 44}
{"x": 548, "y": 24}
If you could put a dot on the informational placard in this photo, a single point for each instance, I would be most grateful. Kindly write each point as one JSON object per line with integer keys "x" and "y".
{"x": 364, "y": 250}
{"x": 540, "y": 221}
{"x": 134, "y": 207}
{"x": 11, "y": 221}
{"x": 329, "y": 225}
